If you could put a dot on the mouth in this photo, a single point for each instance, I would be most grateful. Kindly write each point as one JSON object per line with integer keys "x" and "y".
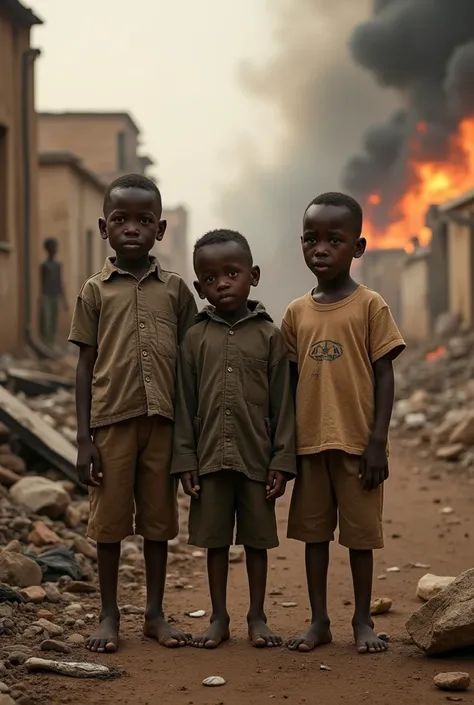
{"x": 131, "y": 246}
{"x": 320, "y": 266}
{"x": 227, "y": 298}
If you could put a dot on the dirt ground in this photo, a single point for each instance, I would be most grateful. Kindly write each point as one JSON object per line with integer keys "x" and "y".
{"x": 415, "y": 532}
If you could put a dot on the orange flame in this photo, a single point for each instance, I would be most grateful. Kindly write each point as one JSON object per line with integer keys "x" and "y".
{"x": 436, "y": 182}
{"x": 435, "y": 354}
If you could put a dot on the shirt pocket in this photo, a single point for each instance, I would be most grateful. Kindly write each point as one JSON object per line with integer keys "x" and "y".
{"x": 255, "y": 380}
{"x": 166, "y": 333}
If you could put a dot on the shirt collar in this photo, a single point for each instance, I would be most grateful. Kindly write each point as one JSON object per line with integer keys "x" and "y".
{"x": 110, "y": 268}
{"x": 256, "y": 308}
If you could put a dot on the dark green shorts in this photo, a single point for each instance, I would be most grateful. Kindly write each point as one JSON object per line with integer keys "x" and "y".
{"x": 225, "y": 497}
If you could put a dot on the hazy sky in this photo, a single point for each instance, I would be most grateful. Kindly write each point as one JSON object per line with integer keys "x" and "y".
{"x": 173, "y": 65}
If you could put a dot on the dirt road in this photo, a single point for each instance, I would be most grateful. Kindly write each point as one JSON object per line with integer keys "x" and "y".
{"x": 415, "y": 532}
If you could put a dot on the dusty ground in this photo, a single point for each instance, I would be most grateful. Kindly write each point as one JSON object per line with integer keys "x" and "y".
{"x": 415, "y": 532}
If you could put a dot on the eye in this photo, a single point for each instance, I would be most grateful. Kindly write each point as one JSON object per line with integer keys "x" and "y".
{"x": 118, "y": 219}
{"x": 310, "y": 241}
{"x": 209, "y": 280}
{"x": 335, "y": 241}
{"x": 233, "y": 274}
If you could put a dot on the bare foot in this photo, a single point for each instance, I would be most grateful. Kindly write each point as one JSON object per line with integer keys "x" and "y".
{"x": 366, "y": 639}
{"x": 166, "y": 635}
{"x": 318, "y": 634}
{"x": 106, "y": 637}
{"x": 215, "y": 634}
{"x": 261, "y": 635}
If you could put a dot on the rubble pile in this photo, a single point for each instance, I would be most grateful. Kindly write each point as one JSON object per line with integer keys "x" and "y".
{"x": 434, "y": 408}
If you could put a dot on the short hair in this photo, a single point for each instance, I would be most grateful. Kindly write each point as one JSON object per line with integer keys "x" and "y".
{"x": 334, "y": 198}
{"x": 50, "y": 243}
{"x": 133, "y": 181}
{"x": 220, "y": 237}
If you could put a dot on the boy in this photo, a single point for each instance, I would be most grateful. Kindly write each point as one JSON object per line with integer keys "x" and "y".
{"x": 128, "y": 322}
{"x": 342, "y": 340}
{"x": 234, "y": 438}
{"x": 52, "y": 292}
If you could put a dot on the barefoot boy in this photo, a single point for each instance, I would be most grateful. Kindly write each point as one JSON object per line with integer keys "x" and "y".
{"x": 342, "y": 341}
{"x": 128, "y": 322}
{"x": 234, "y": 438}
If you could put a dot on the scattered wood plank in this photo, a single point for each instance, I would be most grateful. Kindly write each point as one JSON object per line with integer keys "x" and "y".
{"x": 35, "y": 382}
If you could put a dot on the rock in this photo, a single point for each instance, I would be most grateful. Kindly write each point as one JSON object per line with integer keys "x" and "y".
{"x": 236, "y": 554}
{"x": 13, "y": 547}
{"x": 459, "y": 347}
{"x": 41, "y": 535}
{"x": 19, "y": 570}
{"x": 67, "y": 668}
{"x": 12, "y": 462}
{"x": 8, "y": 477}
{"x": 72, "y": 517}
{"x": 452, "y": 681}
{"x": 446, "y": 325}
{"x": 44, "y": 614}
{"x": 430, "y": 585}
{"x": 79, "y": 586}
{"x": 6, "y": 700}
{"x": 211, "y": 681}
{"x": 384, "y": 636}
{"x": 197, "y": 614}
{"x": 41, "y": 496}
{"x": 6, "y": 611}
{"x": 50, "y": 627}
{"x": 132, "y": 609}
{"x": 419, "y": 401}
{"x": 4, "y": 687}
{"x": 380, "y": 605}
{"x": 446, "y": 511}
{"x": 451, "y": 452}
{"x": 464, "y": 431}
{"x": 54, "y": 645}
{"x": 82, "y": 545}
{"x": 74, "y": 609}
{"x": 34, "y": 594}
{"x": 446, "y": 622}
{"x": 76, "y": 640}
{"x": 289, "y": 604}
{"x": 52, "y": 593}
{"x": 18, "y": 657}
{"x": 415, "y": 421}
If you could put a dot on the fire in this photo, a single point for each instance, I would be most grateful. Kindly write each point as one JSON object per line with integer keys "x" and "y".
{"x": 435, "y": 354}
{"x": 436, "y": 182}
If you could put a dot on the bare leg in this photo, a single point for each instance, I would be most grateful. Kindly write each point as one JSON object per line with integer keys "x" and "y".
{"x": 156, "y": 626}
{"x": 362, "y": 566}
{"x": 106, "y": 636}
{"x": 257, "y": 570}
{"x": 319, "y": 633}
{"x": 217, "y": 570}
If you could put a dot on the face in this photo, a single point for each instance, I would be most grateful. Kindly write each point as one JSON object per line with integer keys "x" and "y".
{"x": 225, "y": 276}
{"x": 132, "y": 222}
{"x": 330, "y": 241}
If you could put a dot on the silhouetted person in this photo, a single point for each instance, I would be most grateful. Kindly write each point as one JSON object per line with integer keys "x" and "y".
{"x": 52, "y": 292}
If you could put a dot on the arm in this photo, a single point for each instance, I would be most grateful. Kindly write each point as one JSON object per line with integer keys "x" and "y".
{"x": 294, "y": 378}
{"x": 88, "y": 460}
{"x": 187, "y": 313}
{"x": 185, "y": 461}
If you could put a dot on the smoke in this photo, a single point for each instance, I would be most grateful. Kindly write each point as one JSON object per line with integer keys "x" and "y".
{"x": 323, "y": 102}
{"x": 425, "y": 50}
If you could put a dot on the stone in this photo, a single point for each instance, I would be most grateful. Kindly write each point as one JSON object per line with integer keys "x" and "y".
{"x": 13, "y": 462}
{"x": 76, "y": 640}
{"x": 50, "y": 627}
{"x": 419, "y": 401}
{"x": 75, "y": 608}
{"x": 415, "y": 421}
{"x": 5, "y": 699}
{"x": 446, "y": 622}
{"x": 13, "y": 547}
{"x": 54, "y": 645}
{"x": 17, "y": 657}
{"x": 6, "y": 611}
{"x": 41, "y": 535}
{"x": 452, "y": 681}
{"x": 430, "y": 585}
{"x": 34, "y": 594}
{"x": 52, "y": 593}
{"x": 84, "y": 669}
{"x": 4, "y": 687}
{"x": 236, "y": 554}
{"x": 82, "y": 545}
{"x": 44, "y": 614}
{"x": 452, "y": 419}
{"x": 380, "y": 605}
{"x": 72, "y": 517}
{"x": 41, "y": 496}
{"x": 211, "y": 681}
{"x": 79, "y": 586}
{"x": 447, "y": 324}
{"x": 451, "y": 452}
{"x": 8, "y": 477}
{"x": 464, "y": 431}
{"x": 18, "y": 570}
{"x": 131, "y": 609}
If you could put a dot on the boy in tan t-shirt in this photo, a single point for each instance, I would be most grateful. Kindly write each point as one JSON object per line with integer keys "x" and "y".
{"x": 342, "y": 340}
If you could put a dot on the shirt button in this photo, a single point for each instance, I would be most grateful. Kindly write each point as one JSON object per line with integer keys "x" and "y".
{"x": 228, "y": 440}
{"x": 147, "y": 379}
{"x": 230, "y": 369}
{"x": 231, "y": 332}
{"x": 142, "y": 325}
{"x": 144, "y": 353}
{"x": 228, "y": 412}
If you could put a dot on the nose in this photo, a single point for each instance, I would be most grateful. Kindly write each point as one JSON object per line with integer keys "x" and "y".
{"x": 321, "y": 250}
{"x": 132, "y": 229}
{"x": 222, "y": 284}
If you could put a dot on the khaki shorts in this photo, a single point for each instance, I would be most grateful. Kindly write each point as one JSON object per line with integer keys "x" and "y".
{"x": 225, "y": 496}
{"x": 136, "y": 483}
{"x": 328, "y": 484}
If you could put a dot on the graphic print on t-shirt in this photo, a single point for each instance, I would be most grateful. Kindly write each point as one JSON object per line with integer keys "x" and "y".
{"x": 325, "y": 351}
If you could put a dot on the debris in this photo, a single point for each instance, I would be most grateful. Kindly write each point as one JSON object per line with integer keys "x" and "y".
{"x": 82, "y": 545}
{"x": 451, "y": 452}
{"x": 19, "y": 570}
{"x": 8, "y": 594}
{"x": 50, "y": 627}
{"x": 394, "y": 569}
{"x": 323, "y": 667}
{"x": 380, "y": 605}
{"x": 446, "y": 622}
{"x": 197, "y": 614}
{"x": 422, "y": 566}
{"x": 41, "y": 496}
{"x": 74, "y": 669}
{"x": 446, "y": 511}
{"x": 34, "y": 594}
{"x": 276, "y": 592}
{"x": 76, "y": 640}
{"x": 236, "y": 554}
{"x": 198, "y": 554}
{"x": 452, "y": 681}
{"x": 289, "y": 604}
{"x": 41, "y": 535}
{"x": 79, "y": 586}
{"x": 430, "y": 585}
{"x": 57, "y": 562}
{"x": 214, "y": 681}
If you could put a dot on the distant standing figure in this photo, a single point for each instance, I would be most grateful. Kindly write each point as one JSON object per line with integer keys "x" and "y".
{"x": 52, "y": 292}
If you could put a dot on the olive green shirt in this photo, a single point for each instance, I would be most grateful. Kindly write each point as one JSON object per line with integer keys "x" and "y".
{"x": 136, "y": 327}
{"x": 234, "y": 407}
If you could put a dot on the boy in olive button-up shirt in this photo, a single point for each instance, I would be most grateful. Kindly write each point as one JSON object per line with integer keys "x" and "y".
{"x": 234, "y": 434}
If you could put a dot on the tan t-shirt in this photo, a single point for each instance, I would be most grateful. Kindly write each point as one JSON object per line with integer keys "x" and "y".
{"x": 335, "y": 346}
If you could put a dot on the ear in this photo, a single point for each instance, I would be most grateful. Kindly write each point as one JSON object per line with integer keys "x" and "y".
{"x": 161, "y": 230}
{"x": 103, "y": 228}
{"x": 197, "y": 286}
{"x": 255, "y": 273}
{"x": 360, "y": 247}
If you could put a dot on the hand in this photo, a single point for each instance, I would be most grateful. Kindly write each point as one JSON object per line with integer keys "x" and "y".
{"x": 88, "y": 464}
{"x": 190, "y": 482}
{"x": 374, "y": 465}
{"x": 276, "y": 484}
